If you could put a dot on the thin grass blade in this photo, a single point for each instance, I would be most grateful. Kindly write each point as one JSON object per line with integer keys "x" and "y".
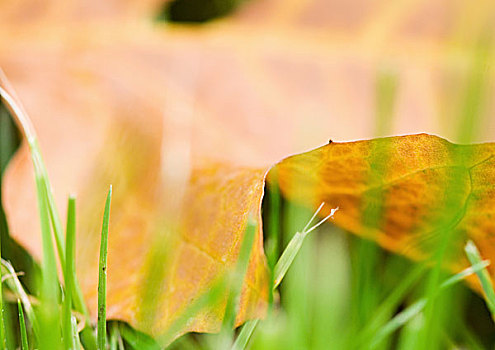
{"x": 3, "y": 342}
{"x": 474, "y": 258}
{"x": 15, "y": 285}
{"x": 70, "y": 238}
{"x": 75, "y": 334}
{"x": 102, "y": 278}
{"x": 287, "y": 257}
{"x": 244, "y": 336}
{"x": 416, "y": 308}
{"x": 50, "y": 317}
{"x": 22, "y": 327}
{"x": 290, "y": 252}
{"x": 137, "y": 340}
{"x": 281, "y": 268}
{"x": 389, "y": 304}
{"x": 19, "y": 114}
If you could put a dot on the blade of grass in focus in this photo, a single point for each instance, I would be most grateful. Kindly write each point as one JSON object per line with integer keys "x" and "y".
{"x": 102, "y": 278}
{"x": 24, "y": 123}
{"x": 49, "y": 316}
{"x": 22, "y": 327}
{"x": 69, "y": 272}
{"x": 15, "y": 285}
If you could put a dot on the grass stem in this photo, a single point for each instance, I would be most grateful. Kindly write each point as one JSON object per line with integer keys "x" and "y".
{"x": 70, "y": 238}
{"x": 102, "y": 278}
{"x": 22, "y": 327}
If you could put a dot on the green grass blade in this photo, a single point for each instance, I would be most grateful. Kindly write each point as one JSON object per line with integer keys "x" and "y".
{"x": 102, "y": 278}
{"x": 290, "y": 252}
{"x": 416, "y": 308}
{"x": 7, "y": 138}
{"x": 69, "y": 272}
{"x": 287, "y": 257}
{"x": 19, "y": 114}
{"x": 52, "y": 213}
{"x": 246, "y": 332}
{"x": 113, "y": 338}
{"x": 483, "y": 276}
{"x": 386, "y": 308}
{"x": 15, "y": 285}
{"x": 398, "y": 321}
{"x": 22, "y": 327}
{"x": 75, "y": 334}
{"x": 5, "y": 142}
{"x": 3, "y": 342}
{"x": 25, "y": 124}
{"x": 280, "y": 270}
{"x": 77, "y": 296}
{"x": 235, "y": 285}
{"x": 50, "y": 317}
{"x": 137, "y": 340}
{"x": 479, "y": 266}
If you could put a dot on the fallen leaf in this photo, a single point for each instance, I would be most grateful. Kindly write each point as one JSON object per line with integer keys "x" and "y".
{"x": 218, "y": 202}
{"x": 428, "y": 185}
{"x": 146, "y": 107}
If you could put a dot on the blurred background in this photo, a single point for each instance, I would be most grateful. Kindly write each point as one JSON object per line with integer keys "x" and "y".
{"x": 238, "y": 70}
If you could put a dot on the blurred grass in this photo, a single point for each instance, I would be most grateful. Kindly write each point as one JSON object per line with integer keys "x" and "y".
{"x": 474, "y": 258}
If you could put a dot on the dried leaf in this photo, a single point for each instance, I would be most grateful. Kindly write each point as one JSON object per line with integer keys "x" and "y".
{"x": 426, "y": 185}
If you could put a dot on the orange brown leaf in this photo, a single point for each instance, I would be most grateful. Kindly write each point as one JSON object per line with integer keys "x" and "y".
{"x": 427, "y": 185}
